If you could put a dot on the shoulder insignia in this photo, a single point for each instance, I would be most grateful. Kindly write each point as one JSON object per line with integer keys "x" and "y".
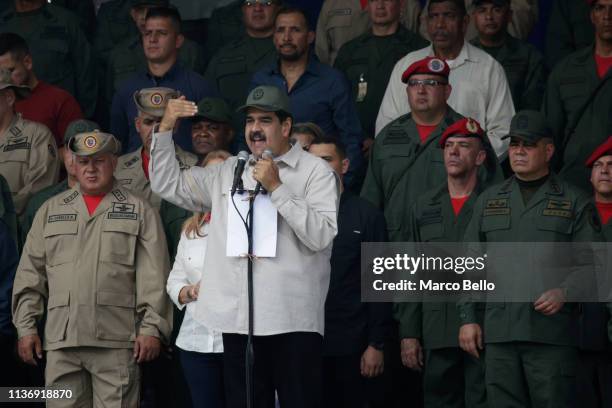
{"x": 15, "y": 131}
{"x": 340, "y": 12}
{"x": 61, "y": 218}
{"x": 122, "y": 211}
{"x": 130, "y": 162}
{"x": 497, "y": 206}
{"x": 71, "y": 197}
{"x": 119, "y": 195}
{"x": 124, "y": 182}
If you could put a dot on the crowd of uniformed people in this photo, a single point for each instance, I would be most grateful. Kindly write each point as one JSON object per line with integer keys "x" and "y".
{"x": 440, "y": 122}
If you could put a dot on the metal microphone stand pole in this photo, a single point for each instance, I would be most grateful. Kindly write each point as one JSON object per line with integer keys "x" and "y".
{"x": 250, "y": 355}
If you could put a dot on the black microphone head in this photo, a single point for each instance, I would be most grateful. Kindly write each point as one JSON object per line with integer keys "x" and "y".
{"x": 267, "y": 154}
{"x": 243, "y": 156}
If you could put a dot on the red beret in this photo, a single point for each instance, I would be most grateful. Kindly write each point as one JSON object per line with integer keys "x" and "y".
{"x": 604, "y": 149}
{"x": 466, "y": 127}
{"x": 429, "y": 65}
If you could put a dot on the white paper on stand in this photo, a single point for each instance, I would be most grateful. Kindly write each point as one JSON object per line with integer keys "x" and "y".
{"x": 264, "y": 229}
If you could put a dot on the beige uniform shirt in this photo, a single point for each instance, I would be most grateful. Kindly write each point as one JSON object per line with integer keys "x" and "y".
{"x": 101, "y": 278}
{"x": 130, "y": 174}
{"x": 289, "y": 289}
{"x": 342, "y": 20}
{"x": 524, "y": 17}
{"x": 28, "y": 159}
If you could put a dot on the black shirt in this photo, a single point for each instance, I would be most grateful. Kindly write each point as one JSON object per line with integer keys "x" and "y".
{"x": 351, "y": 325}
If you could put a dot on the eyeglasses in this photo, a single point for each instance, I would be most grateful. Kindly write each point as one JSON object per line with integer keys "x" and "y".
{"x": 425, "y": 82}
{"x": 268, "y": 3}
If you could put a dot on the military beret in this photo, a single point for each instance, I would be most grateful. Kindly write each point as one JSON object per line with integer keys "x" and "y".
{"x": 591, "y": 2}
{"x": 96, "y": 142}
{"x": 602, "y": 150}
{"x": 529, "y": 125}
{"x": 153, "y": 101}
{"x": 154, "y": 3}
{"x": 499, "y": 3}
{"x": 429, "y": 65}
{"x": 267, "y": 98}
{"x": 215, "y": 109}
{"x": 466, "y": 127}
{"x": 79, "y": 126}
{"x": 21, "y": 91}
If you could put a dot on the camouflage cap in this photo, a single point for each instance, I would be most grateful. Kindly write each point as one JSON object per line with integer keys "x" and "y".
{"x": 153, "y": 101}
{"x": 268, "y": 99}
{"x": 21, "y": 91}
{"x": 530, "y": 126}
{"x": 153, "y": 3}
{"x": 79, "y": 126}
{"x": 96, "y": 142}
{"x": 215, "y": 109}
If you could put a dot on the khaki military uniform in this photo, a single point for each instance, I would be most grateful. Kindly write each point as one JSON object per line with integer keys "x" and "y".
{"x": 342, "y": 20}
{"x": 28, "y": 159}
{"x": 100, "y": 279}
{"x": 524, "y": 16}
{"x": 130, "y": 174}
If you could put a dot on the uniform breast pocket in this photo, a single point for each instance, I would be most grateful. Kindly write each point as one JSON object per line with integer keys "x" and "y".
{"x": 60, "y": 241}
{"x": 495, "y": 223}
{"x": 557, "y": 228}
{"x": 430, "y": 231}
{"x": 118, "y": 244}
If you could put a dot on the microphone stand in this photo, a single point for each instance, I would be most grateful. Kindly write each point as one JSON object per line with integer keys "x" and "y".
{"x": 250, "y": 355}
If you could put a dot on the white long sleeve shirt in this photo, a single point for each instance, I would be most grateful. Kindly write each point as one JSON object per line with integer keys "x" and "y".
{"x": 290, "y": 289}
{"x": 187, "y": 270}
{"x": 479, "y": 90}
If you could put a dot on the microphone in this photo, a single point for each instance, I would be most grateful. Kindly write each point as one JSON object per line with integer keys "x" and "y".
{"x": 242, "y": 159}
{"x": 267, "y": 155}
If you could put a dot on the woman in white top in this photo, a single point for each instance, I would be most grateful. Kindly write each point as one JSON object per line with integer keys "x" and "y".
{"x": 200, "y": 348}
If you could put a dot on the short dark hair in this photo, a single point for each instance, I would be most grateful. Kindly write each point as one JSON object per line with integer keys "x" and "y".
{"x": 283, "y": 116}
{"x": 460, "y": 4}
{"x": 294, "y": 10}
{"x": 170, "y": 12}
{"x": 15, "y": 44}
{"x": 331, "y": 139}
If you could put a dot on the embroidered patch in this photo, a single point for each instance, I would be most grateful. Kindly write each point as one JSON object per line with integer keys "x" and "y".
{"x": 258, "y": 94}
{"x": 497, "y": 203}
{"x": 17, "y": 146}
{"x": 90, "y": 142}
{"x": 122, "y": 216}
{"x": 557, "y": 213}
{"x": 471, "y": 126}
{"x": 559, "y": 205}
{"x": 15, "y": 131}
{"x": 157, "y": 99}
{"x": 71, "y": 197}
{"x": 496, "y": 211}
{"x": 119, "y": 195}
{"x": 435, "y": 65}
{"x": 340, "y": 12}
{"x": 121, "y": 211}
{"x": 61, "y": 218}
{"x": 123, "y": 208}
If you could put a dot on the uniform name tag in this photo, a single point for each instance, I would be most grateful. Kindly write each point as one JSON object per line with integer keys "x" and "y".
{"x": 559, "y": 205}
{"x": 499, "y": 203}
{"x": 557, "y": 213}
{"x": 496, "y": 211}
{"x": 61, "y": 218}
{"x": 340, "y": 12}
{"x": 17, "y": 146}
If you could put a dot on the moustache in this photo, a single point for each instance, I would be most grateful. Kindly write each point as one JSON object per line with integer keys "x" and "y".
{"x": 256, "y": 136}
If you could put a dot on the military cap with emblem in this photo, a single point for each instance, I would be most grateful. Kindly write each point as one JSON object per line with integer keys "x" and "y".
{"x": 465, "y": 127}
{"x": 530, "y": 126}
{"x": 152, "y": 3}
{"x": 90, "y": 143}
{"x": 603, "y": 149}
{"x": 79, "y": 126}
{"x": 498, "y": 3}
{"x": 268, "y": 99}
{"x": 215, "y": 109}
{"x": 21, "y": 92}
{"x": 153, "y": 101}
{"x": 427, "y": 66}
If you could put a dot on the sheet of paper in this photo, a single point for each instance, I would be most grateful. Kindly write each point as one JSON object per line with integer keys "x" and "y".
{"x": 264, "y": 229}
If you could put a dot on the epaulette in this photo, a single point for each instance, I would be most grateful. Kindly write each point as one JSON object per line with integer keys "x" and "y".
{"x": 130, "y": 162}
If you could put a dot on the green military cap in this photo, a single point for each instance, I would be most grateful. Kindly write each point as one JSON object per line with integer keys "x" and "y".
{"x": 90, "y": 143}
{"x": 267, "y": 98}
{"x": 215, "y": 109}
{"x": 153, "y": 101}
{"x": 529, "y": 125}
{"x": 21, "y": 92}
{"x": 79, "y": 126}
{"x": 153, "y": 3}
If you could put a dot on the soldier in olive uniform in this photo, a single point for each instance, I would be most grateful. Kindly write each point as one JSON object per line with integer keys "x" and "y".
{"x": 522, "y": 62}
{"x": 28, "y": 154}
{"x": 340, "y": 21}
{"x": 59, "y": 48}
{"x": 38, "y": 199}
{"x": 224, "y": 26}
{"x": 405, "y": 161}
{"x": 531, "y": 355}
{"x": 211, "y": 127}
{"x": 595, "y": 357}
{"x": 452, "y": 378}
{"x": 232, "y": 67}
{"x": 569, "y": 30}
{"x": 132, "y": 170}
{"x": 96, "y": 263}
{"x": 578, "y": 100}
{"x": 367, "y": 61}
{"x": 84, "y": 10}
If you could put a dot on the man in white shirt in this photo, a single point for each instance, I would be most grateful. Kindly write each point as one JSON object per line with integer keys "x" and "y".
{"x": 480, "y": 87}
{"x": 290, "y": 288}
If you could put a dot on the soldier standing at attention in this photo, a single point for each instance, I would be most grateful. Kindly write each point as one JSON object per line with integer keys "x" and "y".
{"x": 28, "y": 154}
{"x": 428, "y": 330}
{"x": 530, "y": 354}
{"x": 95, "y": 263}
{"x": 211, "y": 127}
{"x": 522, "y": 62}
{"x": 367, "y": 61}
{"x": 132, "y": 170}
